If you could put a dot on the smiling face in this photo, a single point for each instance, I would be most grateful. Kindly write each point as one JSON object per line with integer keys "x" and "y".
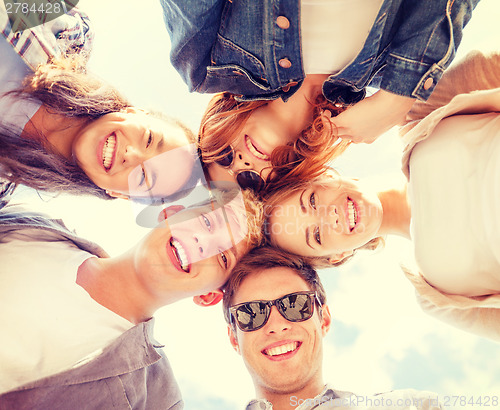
{"x": 266, "y": 128}
{"x": 192, "y": 252}
{"x": 282, "y": 357}
{"x": 327, "y": 218}
{"x": 127, "y": 152}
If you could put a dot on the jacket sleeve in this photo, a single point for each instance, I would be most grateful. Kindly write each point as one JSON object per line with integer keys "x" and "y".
{"x": 420, "y": 56}
{"x": 193, "y": 28}
{"x": 74, "y": 32}
{"x": 476, "y": 71}
{"x": 479, "y": 314}
{"x": 37, "y": 43}
{"x": 481, "y": 321}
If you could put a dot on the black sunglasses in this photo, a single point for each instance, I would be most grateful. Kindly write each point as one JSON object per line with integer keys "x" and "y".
{"x": 294, "y": 307}
{"x": 246, "y": 179}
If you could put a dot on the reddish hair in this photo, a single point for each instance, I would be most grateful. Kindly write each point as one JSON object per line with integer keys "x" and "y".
{"x": 304, "y": 159}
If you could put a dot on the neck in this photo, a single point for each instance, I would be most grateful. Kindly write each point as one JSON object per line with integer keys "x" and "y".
{"x": 113, "y": 283}
{"x": 55, "y": 131}
{"x": 297, "y": 111}
{"x": 290, "y": 399}
{"x": 396, "y": 212}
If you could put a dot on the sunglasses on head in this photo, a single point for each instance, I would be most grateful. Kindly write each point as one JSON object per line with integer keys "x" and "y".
{"x": 246, "y": 178}
{"x": 294, "y": 307}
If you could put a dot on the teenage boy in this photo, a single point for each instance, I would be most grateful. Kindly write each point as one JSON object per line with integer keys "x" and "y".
{"x": 77, "y": 327}
{"x": 275, "y": 307}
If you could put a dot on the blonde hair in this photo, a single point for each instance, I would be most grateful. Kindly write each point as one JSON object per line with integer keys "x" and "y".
{"x": 249, "y": 211}
{"x": 274, "y": 198}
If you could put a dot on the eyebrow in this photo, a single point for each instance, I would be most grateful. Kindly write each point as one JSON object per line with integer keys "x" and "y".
{"x": 301, "y": 201}
{"x": 154, "y": 176}
{"x": 308, "y": 237}
{"x": 161, "y": 142}
{"x": 234, "y": 251}
{"x": 303, "y": 208}
{"x": 223, "y": 224}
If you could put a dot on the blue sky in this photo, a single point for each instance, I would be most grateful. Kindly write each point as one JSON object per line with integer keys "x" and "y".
{"x": 379, "y": 340}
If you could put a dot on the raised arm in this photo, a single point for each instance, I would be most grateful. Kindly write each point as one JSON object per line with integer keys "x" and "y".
{"x": 423, "y": 44}
{"x": 476, "y": 71}
{"x": 193, "y": 27}
{"x": 479, "y": 315}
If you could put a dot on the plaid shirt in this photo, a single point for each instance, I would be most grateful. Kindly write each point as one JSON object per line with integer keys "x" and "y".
{"x": 67, "y": 34}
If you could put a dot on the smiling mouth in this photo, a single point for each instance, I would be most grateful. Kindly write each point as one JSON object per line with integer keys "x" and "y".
{"x": 108, "y": 152}
{"x": 352, "y": 214}
{"x": 181, "y": 255}
{"x": 254, "y": 151}
{"x": 281, "y": 350}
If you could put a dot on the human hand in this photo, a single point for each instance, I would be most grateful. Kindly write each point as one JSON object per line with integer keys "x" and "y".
{"x": 371, "y": 117}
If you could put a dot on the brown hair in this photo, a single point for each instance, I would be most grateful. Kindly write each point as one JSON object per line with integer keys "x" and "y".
{"x": 306, "y": 158}
{"x": 65, "y": 88}
{"x": 267, "y": 257}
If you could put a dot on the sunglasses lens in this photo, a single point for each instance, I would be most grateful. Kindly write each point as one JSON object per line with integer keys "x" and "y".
{"x": 227, "y": 157}
{"x": 251, "y": 180}
{"x": 251, "y": 316}
{"x": 296, "y": 307}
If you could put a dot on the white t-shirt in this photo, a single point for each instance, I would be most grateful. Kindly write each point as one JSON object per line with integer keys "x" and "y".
{"x": 455, "y": 199}
{"x": 13, "y": 111}
{"x": 48, "y": 323}
{"x": 333, "y": 32}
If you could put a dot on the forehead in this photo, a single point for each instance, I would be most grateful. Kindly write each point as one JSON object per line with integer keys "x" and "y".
{"x": 269, "y": 284}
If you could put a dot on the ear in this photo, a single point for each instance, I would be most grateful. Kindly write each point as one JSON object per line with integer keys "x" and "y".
{"x": 115, "y": 194}
{"x": 339, "y": 257}
{"x": 233, "y": 340}
{"x": 167, "y": 212}
{"x": 326, "y": 319}
{"x": 133, "y": 110}
{"x": 209, "y": 299}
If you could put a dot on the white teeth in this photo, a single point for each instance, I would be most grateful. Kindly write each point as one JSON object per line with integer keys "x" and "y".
{"x": 108, "y": 151}
{"x": 275, "y": 351}
{"x": 353, "y": 215}
{"x": 181, "y": 255}
{"x": 254, "y": 151}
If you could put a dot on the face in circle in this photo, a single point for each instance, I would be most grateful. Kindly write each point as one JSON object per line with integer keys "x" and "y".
{"x": 262, "y": 350}
{"x": 260, "y": 135}
{"x": 328, "y": 218}
{"x": 192, "y": 252}
{"x": 132, "y": 153}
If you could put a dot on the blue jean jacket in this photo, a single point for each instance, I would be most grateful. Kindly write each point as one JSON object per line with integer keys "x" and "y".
{"x": 238, "y": 46}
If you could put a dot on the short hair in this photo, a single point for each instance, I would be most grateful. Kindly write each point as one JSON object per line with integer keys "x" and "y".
{"x": 264, "y": 258}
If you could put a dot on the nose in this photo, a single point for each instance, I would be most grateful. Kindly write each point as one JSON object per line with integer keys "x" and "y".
{"x": 326, "y": 216}
{"x": 207, "y": 244}
{"x": 132, "y": 156}
{"x": 276, "y": 322}
{"x": 241, "y": 162}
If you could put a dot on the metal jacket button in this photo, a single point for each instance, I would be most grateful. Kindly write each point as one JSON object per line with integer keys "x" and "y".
{"x": 285, "y": 63}
{"x": 428, "y": 83}
{"x": 283, "y": 22}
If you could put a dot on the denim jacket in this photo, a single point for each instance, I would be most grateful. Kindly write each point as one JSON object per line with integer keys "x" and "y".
{"x": 240, "y": 46}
